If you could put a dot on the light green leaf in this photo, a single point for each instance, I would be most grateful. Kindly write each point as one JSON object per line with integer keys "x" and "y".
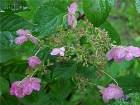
{"x": 137, "y": 4}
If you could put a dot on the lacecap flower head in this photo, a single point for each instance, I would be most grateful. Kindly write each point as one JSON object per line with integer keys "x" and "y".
{"x": 58, "y": 51}
{"x": 25, "y": 87}
{"x": 112, "y": 92}
{"x": 119, "y": 53}
{"x": 34, "y": 61}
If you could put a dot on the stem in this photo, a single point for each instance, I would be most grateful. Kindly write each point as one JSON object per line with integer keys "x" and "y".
{"x": 33, "y": 73}
{"x": 37, "y": 51}
{"x": 110, "y": 77}
{"x": 28, "y": 76}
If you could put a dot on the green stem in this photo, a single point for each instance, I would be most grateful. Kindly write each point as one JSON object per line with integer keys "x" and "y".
{"x": 110, "y": 77}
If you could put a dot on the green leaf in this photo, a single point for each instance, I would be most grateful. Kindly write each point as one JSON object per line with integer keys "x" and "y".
{"x": 97, "y": 11}
{"x": 137, "y": 4}
{"x": 64, "y": 71}
{"x": 8, "y": 100}
{"x": 7, "y": 50}
{"x": 50, "y": 16}
{"x": 4, "y": 85}
{"x": 13, "y": 22}
{"x": 31, "y": 99}
{"x": 13, "y": 5}
{"x": 33, "y": 6}
{"x": 113, "y": 34}
{"x": 129, "y": 83}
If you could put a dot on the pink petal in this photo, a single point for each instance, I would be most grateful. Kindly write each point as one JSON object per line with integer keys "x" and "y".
{"x": 73, "y": 8}
{"x": 55, "y": 51}
{"x": 20, "y": 40}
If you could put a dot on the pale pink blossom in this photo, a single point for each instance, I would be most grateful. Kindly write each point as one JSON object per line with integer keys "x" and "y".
{"x": 25, "y": 87}
{"x": 25, "y": 35}
{"x": 17, "y": 89}
{"x": 71, "y": 18}
{"x": 119, "y": 53}
{"x": 22, "y": 32}
{"x": 34, "y": 61}
{"x": 112, "y": 92}
{"x": 132, "y": 52}
{"x": 72, "y": 21}
{"x": 20, "y": 40}
{"x": 58, "y": 51}
{"x": 30, "y": 84}
{"x": 72, "y": 8}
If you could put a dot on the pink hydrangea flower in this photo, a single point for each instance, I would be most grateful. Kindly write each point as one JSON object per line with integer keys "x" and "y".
{"x": 17, "y": 89}
{"x": 116, "y": 53}
{"x": 25, "y": 87}
{"x": 25, "y": 35}
{"x": 34, "y": 61}
{"x": 72, "y": 21}
{"x": 112, "y": 92}
{"x": 20, "y": 40}
{"x": 120, "y": 53}
{"x": 72, "y": 8}
{"x": 58, "y": 51}
{"x": 22, "y": 32}
{"x": 132, "y": 52}
{"x": 30, "y": 84}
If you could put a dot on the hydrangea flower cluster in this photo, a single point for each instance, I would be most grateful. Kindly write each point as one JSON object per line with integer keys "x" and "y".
{"x": 120, "y": 53}
{"x": 58, "y": 51}
{"x": 24, "y": 36}
{"x": 112, "y": 92}
{"x": 25, "y": 87}
{"x": 71, "y": 18}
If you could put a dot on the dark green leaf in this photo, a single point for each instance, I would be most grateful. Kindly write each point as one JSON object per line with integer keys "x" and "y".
{"x": 8, "y": 100}
{"x": 97, "y": 11}
{"x": 4, "y": 86}
{"x": 50, "y": 16}
{"x": 12, "y": 22}
{"x": 13, "y": 5}
{"x": 113, "y": 34}
{"x": 130, "y": 83}
{"x": 64, "y": 71}
{"x": 7, "y": 50}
